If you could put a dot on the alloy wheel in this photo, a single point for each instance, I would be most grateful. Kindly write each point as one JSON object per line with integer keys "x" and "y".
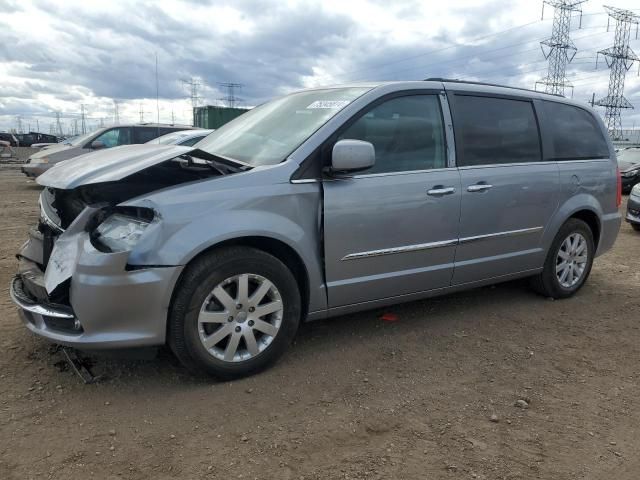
{"x": 571, "y": 261}
{"x": 240, "y": 317}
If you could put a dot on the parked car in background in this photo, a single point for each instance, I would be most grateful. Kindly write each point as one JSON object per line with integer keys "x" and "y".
{"x": 317, "y": 204}
{"x": 28, "y": 139}
{"x": 106, "y": 137}
{"x": 629, "y": 164}
{"x": 43, "y": 144}
{"x": 633, "y": 208}
{"x": 185, "y": 138}
{"x": 10, "y": 138}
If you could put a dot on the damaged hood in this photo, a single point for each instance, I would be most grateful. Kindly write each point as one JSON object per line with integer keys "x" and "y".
{"x": 108, "y": 165}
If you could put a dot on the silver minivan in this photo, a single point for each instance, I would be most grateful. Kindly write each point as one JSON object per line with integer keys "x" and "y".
{"x": 320, "y": 203}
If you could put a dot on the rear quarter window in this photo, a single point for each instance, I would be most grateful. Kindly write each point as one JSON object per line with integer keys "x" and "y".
{"x": 574, "y": 133}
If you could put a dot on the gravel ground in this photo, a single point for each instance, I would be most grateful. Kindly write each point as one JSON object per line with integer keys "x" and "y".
{"x": 494, "y": 383}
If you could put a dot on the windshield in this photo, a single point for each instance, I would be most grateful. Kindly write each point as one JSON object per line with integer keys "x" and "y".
{"x": 269, "y": 133}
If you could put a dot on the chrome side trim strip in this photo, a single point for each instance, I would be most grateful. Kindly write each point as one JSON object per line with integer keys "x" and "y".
{"x": 443, "y": 243}
{"x": 510, "y": 233}
{"x": 408, "y": 248}
{"x": 306, "y": 180}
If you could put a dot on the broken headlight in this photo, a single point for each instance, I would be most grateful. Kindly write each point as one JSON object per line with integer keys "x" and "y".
{"x": 120, "y": 231}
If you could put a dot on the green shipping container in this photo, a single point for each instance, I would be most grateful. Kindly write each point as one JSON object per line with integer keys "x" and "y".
{"x": 214, "y": 117}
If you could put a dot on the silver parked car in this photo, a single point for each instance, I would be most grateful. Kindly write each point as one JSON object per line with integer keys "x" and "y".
{"x": 107, "y": 137}
{"x": 320, "y": 203}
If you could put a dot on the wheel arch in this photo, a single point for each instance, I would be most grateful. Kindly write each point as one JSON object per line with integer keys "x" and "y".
{"x": 273, "y": 246}
{"x": 592, "y": 220}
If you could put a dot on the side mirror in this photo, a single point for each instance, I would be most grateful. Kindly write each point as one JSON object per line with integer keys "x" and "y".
{"x": 96, "y": 145}
{"x": 352, "y": 156}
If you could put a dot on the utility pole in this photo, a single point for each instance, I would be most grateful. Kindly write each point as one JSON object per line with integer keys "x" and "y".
{"x": 83, "y": 125}
{"x": 19, "y": 124}
{"x": 231, "y": 98}
{"x": 37, "y": 126}
{"x": 75, "y": 126}
{"x": 116, "y": 112}
{"x": 193, "y": 85}
{"x": 59, "y": 125}
{"x": 620, "y": 59}
{"x": 559, "y": 49}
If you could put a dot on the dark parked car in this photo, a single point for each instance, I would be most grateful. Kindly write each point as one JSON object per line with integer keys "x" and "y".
{"x": 9, "y": 137}
{"x": 629, "y": 164}
{"x": 107, "y": 137}
{"x": 28, "y": 139}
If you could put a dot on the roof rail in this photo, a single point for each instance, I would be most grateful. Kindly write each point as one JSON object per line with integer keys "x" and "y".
{"x": 470, "y": 82}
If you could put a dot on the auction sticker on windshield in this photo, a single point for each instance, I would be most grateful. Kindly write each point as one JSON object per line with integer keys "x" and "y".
{"x": 333, "y": 104}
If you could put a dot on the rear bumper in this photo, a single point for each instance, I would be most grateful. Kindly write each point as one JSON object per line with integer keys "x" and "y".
{"x": 610, "y": 226}
{"x": 108, "y": 306}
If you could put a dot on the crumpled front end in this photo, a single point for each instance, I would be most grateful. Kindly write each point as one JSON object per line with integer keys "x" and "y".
{"x": 73, "y": 294}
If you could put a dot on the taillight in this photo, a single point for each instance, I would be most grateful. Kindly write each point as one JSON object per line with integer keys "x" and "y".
{"x": 619, "y": 188}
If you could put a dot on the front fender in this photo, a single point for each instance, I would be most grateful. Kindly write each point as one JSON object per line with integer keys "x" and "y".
{"x": 193, "y": 219}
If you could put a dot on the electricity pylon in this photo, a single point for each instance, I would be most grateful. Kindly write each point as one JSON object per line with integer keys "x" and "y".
{"x": 559, "y": 49}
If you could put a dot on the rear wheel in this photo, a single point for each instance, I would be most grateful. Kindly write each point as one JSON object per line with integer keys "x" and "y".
{"x": 235, "y": 312}
{"x": 568, "y": 262}
{"x": 636, "y": 226}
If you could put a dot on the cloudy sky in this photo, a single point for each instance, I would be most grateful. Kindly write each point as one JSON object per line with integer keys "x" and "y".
{"x": 56, "y": 56}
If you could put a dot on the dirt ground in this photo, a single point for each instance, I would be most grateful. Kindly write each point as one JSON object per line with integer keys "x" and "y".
{"x": 355, "y": 397}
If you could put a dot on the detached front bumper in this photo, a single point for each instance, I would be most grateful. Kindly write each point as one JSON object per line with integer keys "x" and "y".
{"x": 107, "y": 306}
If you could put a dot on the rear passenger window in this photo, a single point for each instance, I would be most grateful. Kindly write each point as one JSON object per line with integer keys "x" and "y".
{"x": 495, "y": 130}
{"x": 407, "y": 133}
{"x": 575, "y": 134}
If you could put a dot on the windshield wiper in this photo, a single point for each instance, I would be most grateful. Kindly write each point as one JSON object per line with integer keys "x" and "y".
{"x": 227, "y": 162}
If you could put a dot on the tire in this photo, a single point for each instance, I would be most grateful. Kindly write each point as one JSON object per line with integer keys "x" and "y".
{"x": 195, "y": 300}
{"x": 548, "y": 282}
{"x": 636, "y": 226}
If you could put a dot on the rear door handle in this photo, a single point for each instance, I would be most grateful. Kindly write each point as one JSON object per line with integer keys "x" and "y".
{"x": 480, "y": 187}
{"x": 440, "y": 190}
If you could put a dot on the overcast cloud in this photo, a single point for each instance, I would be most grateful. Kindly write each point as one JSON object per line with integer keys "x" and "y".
{"x": 55, "y": 56}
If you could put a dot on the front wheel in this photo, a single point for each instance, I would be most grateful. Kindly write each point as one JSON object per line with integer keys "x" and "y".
{"x": 636, "y": 226}
{"x": 235, "y": 312}
{"x": 568, "y": 262}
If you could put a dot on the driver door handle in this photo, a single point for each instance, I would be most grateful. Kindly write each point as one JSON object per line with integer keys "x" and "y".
{"x": 439, "y": 190}
{"x": 480, "y": 187}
